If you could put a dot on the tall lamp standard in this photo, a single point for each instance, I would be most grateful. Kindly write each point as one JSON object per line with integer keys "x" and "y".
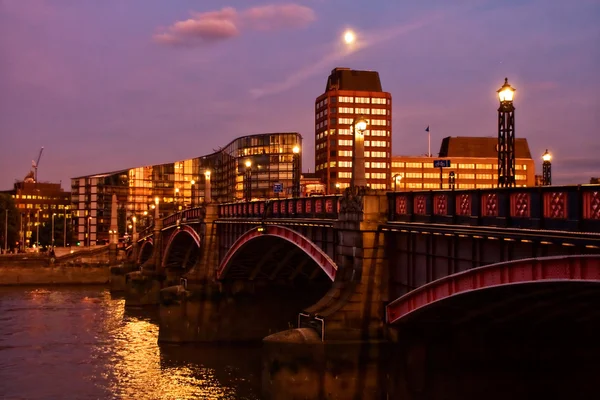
{"x": 193, "y": 182}
{"x": 506, "y": 136}
{"x": 359, "y": 179}
{"x": 53, "y": 215}
{"x": 337, "y": 188}
{"x": 89, "y": 233}
{"x": 157, "y": 238}
{"x": 247, "y": 180}
{"x": 296, "y": 172}
{"x": 546, "y": 169}
{"x": 207, "y": 188}
{"x": 397, "y": 179}
{"x": 6, "y": 229}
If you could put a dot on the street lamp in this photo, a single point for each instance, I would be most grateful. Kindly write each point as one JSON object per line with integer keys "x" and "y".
{"x": 248, "y": 176}
{"x": 397, "y": 179}
{"x": 177, "y": 199}
{"x": 156, "y": 201}
{"x": 296, "y": 172}
{"x": 546, "y": 169}
{"x": 53, "y": 215}
{"x": 193, "y": 182}
{"x": 207, "y": 189}
{"x": 6, "y": 229}
{"x": 89, "y": 221}
{"x": 337, "y": 188}
{"x": 506, "y": 136}
{"x": 359, "y": 126}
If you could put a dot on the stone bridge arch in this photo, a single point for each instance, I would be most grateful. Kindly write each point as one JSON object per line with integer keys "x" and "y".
{"x": 146, "y": 249}
{"x": 182, "y": 248}
{"x": 281, "y": 234}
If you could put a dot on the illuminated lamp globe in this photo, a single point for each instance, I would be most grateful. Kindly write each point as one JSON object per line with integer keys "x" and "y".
{"x": 546, "y": 156}
{"x": 361, "y": 125}
{"x": 506, "y": 93}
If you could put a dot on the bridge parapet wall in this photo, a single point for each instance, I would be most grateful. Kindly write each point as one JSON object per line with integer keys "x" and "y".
{"x": 547, "y": 207}
{"x": 322, "y": 207}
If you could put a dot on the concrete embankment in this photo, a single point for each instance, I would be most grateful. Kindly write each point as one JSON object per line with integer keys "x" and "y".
{"x": 54, "y": 275}
{"x": 34, "y": 269}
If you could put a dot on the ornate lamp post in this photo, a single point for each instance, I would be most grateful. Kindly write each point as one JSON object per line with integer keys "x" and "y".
{"x": 207, "y": 188}
{"x": 296, "y": 172}
{"x": 193, "y": 182}
{"x": 52, "y": 241}
{"x": 248, "y": 176}
{"x": 506, "y": 136}
{"x": 157, "y": 238}
{"x": 359, "y": 126}
{"x": 337, "y": 188}
{"x": 89, "y": 233}
{"x": 546, "y": 169}
{"x": 397, "y": 179}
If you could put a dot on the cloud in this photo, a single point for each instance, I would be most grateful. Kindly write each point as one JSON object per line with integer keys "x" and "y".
{"x": 214, "y": 26}
{"x": 275, "y": 17}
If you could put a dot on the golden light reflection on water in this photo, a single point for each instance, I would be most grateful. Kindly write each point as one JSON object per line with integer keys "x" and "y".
{"x": 137, "y": 369}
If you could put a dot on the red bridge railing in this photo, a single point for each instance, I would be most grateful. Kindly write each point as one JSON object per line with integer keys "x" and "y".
{"x": 191, "y": 214}
{"x": 322, "y": 207}
{"x": 546, "y": 207}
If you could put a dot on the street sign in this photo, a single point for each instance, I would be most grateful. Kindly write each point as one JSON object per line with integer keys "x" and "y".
{"x": 278, "y": 187}
{"x": 441, "y": 163}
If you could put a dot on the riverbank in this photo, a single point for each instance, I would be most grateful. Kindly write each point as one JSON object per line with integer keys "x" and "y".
{"x": 76, "y": 274}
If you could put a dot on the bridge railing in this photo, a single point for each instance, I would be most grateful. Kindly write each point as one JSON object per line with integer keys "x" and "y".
{"x": 190, "y": 214}
{"x": 545, "y": 207}
{"x": 322, "y": 207}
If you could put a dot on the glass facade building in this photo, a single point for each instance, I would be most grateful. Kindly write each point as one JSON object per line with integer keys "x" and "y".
{"x": 249, "y": 165}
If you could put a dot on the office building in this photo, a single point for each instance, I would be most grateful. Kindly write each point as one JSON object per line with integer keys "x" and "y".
{"x": 473, "y": 165}
{"x": 37, "y": 203}
{"x": 250, "y": 165}
{"x": 350, "y": 95}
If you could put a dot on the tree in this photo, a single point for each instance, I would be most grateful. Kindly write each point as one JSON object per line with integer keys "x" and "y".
{"x": 595, "y": 180}
{"x": 7, "y": 205}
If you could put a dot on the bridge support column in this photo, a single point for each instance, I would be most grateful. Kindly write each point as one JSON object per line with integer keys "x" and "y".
{"x": 354, "y": 308}
{"x": 143, "y": 286}
{"x": 208, "y": 262}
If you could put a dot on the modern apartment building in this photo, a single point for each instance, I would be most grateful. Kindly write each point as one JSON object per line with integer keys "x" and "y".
{"x": 349, "y": 95}
{"x": 473, "y": 165}
{"x": 248, "y": 165}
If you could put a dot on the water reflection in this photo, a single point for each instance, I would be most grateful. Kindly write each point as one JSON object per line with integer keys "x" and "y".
{"x": 82, "y": 343}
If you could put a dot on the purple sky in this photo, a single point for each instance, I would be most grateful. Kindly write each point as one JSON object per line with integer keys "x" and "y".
{"x": 111, "y": 84}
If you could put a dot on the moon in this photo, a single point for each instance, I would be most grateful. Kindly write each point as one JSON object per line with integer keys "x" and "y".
{"x": 349, "y": 37}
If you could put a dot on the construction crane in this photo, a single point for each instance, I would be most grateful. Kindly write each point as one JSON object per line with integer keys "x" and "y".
{"x": 35, "y": 164}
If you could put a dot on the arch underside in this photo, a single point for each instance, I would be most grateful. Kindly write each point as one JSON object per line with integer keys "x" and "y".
{"x": 146, "y": 250}
{"x": 532, "y": 290}
{"x": 182, "y": 250}
{"x": 269, "y": 258}
{"x": 277, "y": 253}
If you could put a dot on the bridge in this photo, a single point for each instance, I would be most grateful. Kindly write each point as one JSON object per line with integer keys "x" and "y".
{"x": 364, "y": 265}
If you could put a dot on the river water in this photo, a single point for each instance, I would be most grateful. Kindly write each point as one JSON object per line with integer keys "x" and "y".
{"x": 81, "y": 343}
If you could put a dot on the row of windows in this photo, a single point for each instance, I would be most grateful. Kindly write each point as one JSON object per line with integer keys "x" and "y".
{"x": 400, "y": 164}
{"x": 43, "y": 206}
{"x": 348, "y": 164}
{"x": 36, "y": 197}
{"x": 357, "y": 110}
{"x": 368, "y": 143}
{"x": 361, "y": 100}
{"x": 348, "y": 132}
{"x": 433, "y": 175}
